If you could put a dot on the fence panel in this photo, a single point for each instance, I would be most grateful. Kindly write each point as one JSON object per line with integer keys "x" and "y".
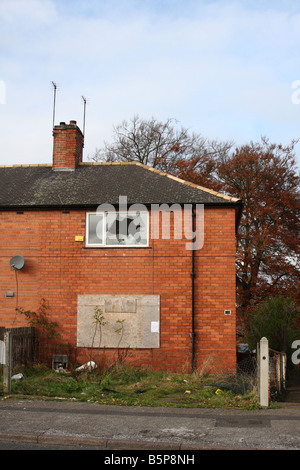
{"x": 19, "y": 349}
{"x": 23, "y": 345}
{"x": 277, "y": 373}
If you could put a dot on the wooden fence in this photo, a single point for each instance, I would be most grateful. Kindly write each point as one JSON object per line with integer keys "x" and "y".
{"x": 24, "y": 341}
{"x": 18, "y": 348}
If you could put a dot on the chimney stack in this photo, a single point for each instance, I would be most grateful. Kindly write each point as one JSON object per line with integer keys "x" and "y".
{"x": 68, "y": 144}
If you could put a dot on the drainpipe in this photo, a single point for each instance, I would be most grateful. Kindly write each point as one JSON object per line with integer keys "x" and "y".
{"x": 193, "y": 275}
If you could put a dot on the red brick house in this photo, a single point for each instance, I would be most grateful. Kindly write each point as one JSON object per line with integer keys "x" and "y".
{"x": 119, "y": 237}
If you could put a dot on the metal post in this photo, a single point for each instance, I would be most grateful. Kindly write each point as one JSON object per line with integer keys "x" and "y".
{"x": 283, "y": 368}
{"x": 264, "y": 372}
{"x": 276, "y": 373}
{"x": 279, "y": 373}
{"x": 8, "y": 362}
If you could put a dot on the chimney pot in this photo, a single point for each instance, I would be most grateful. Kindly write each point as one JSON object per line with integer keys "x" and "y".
{"x": 73, "y": 123}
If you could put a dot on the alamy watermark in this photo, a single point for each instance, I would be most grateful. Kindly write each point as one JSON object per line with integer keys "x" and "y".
{"x": 296, "y": 354}
{"x": 2, "y": 92}
{"x": 188, "y": 221}
{"x": 296, "y": 93}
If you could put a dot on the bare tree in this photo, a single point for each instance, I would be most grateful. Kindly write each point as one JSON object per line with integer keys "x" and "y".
{"x": 157, "y": 144}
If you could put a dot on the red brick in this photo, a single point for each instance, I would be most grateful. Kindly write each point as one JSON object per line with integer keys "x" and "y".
{"x": 59, "y": 269}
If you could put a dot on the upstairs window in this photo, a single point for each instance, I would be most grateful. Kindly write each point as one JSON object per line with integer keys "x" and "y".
{"x": 117, "y": 229}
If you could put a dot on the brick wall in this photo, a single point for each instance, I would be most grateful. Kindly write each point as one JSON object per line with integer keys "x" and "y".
{"x": 59, "y": 269}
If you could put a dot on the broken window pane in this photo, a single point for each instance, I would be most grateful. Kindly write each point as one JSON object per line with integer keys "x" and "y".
{"x": 95, "y": 229}
{"x": 126, "y": 229}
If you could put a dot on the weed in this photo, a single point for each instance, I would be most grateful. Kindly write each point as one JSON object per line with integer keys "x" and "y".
{"x": 40, "y": 320}
{"x": 128, "y": 386}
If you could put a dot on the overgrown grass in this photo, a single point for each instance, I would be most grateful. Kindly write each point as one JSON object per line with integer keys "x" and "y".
{"x": 135, "y": 387}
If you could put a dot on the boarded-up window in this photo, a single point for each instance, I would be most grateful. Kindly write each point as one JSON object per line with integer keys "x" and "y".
{"x": 129, "y": 321}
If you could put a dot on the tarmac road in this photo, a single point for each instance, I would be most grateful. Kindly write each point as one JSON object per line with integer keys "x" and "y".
{"x": 66, "y": 423}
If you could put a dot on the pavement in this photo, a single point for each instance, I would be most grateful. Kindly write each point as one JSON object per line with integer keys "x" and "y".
{"x": 162, "y": 429}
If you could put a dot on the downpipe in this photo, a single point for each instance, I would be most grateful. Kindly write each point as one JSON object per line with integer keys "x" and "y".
{"x": 193, "y": 275}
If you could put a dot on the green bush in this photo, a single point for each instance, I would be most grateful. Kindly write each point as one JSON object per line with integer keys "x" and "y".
{"x": 278, "y": 320}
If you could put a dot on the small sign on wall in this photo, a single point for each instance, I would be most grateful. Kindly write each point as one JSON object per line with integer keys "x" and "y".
{"x": 9, "y": 294}
{"x": 154, "y": 327}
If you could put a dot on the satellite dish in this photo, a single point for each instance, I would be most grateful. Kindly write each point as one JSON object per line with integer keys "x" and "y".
{"x": 17, "y": 262}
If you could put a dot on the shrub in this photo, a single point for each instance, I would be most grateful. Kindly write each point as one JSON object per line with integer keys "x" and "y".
{"x": 277, "y": 319}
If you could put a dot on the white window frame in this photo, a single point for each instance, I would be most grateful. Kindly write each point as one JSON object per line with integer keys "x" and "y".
{"x": 104, "y": 215}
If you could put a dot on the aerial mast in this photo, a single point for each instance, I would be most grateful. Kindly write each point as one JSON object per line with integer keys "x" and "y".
{"x": 84, "y": 109}
{"x": 54, "y": 101}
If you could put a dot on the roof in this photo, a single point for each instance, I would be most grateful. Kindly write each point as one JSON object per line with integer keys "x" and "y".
{"x": 92, "y": 184}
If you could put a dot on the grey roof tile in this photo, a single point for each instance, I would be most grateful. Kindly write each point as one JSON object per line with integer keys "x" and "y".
{"x": 93, "y": 184}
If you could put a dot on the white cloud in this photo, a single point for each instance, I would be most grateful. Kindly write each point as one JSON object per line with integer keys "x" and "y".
{"x": 27, "y": 10}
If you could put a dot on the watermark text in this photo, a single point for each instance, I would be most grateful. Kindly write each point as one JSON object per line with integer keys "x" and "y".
{"x": 2, "y": 92}
{"x": 296, "y": 93}
{"x": 187, "y": 222}
{"x": 296, "y": 354}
